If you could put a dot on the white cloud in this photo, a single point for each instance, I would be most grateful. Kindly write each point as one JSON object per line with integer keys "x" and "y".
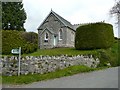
{"x": 75, "y": 11}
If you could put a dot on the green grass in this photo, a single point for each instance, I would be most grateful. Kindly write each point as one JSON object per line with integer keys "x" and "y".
{"x": 25, "y": 79}
{"x": 61, "y": 51}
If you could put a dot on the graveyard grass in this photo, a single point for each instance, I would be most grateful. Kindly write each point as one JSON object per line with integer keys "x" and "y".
{"x": 25, "y": 79}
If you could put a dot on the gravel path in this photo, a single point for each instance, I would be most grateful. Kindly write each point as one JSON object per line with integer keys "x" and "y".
{"x": 107, "y": 78}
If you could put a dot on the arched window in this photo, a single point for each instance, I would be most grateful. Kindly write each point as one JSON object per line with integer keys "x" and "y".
{"x": 60, "y": 34}
{"x": 72, "y": 36}
{"x": 46, "y": 36}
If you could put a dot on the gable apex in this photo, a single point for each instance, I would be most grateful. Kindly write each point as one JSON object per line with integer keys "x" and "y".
{"x": 64, "y": 21}
{"x": 46, "y": 29}
{"x": 61, "y": 19}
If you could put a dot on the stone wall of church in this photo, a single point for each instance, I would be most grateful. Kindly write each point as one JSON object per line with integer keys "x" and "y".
{"x": 70, "y": 37}
{"x": 62, "y": 43}
{"x": 53, "y": 24}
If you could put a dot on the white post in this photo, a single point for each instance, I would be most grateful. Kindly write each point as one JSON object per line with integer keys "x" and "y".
{"x": 19, "y": 61}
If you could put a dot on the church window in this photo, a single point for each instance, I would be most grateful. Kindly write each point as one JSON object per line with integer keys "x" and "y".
{"x": 46, "y": 37}
{"x": 60, "y": 34}
{"x": 72, "y": 36}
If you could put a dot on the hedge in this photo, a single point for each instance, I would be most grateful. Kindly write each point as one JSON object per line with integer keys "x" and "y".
{"x": 94, "y": 36}
{"x": 14, "y": 39}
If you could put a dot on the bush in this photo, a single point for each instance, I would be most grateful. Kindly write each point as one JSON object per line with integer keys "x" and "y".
{"x": 30, "y": 37}
{"x": 10, "y": 40}
{"x": 29, "y": 48}
{"x": 110, "y": 55}
{"x": 14, "y": 39}
{"x": 32, "y": 42}
{"x": 94, "y": 36}
{"x": 104, "y": 58}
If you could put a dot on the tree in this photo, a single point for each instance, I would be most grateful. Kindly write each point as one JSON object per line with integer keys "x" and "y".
{"x": 116, "y": 9}
{"x": 13, "y": 16}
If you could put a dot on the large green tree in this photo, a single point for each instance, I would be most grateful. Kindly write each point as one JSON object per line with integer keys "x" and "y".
{"x": 13, "y": 16}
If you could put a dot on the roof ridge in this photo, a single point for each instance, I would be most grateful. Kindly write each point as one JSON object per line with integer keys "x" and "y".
{"x": 60, "y": 16}
{"x": 63, "y": 20}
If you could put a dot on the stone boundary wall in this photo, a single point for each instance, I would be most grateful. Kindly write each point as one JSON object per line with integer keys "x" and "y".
{"x": 44, "y": 64}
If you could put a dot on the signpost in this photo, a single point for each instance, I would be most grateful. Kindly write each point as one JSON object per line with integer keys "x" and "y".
{"x": 17, "y": 51}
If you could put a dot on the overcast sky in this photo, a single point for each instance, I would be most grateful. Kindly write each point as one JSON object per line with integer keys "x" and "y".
{"x": 75, "y": 11}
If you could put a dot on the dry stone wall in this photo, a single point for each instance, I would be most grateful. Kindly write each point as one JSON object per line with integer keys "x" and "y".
{"x": 44, "y": 64}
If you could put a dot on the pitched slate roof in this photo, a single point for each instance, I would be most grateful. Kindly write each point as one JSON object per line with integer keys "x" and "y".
{"x": 64, "y": 21}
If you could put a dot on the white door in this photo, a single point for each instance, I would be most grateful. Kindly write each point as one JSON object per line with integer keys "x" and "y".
{"x": 55, "y": 41}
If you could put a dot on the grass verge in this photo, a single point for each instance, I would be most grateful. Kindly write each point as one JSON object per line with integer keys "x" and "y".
{"x": 25, "y": 79}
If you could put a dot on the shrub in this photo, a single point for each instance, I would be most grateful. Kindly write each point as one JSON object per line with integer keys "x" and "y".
{"x": 10, "y": 40}
{"x": 29, "y": 48}
{"x": 30, "y": 37}
{"x": 104, "y": 58}
{"x": 13, "y": 39}
{"x": 32, "y": 42}
{"x": 110, "y": 55}
{"x": 94, "y": 36}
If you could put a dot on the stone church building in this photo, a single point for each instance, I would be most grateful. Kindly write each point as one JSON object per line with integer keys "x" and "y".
{"x": 55, "y": 31}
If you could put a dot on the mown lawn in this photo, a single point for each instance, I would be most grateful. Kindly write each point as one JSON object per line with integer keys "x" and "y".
{"x": 61, "y": 51}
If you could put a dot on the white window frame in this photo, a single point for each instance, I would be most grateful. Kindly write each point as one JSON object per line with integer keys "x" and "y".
{"x": 60, "y": 34}
{"x": 45, "y": 36}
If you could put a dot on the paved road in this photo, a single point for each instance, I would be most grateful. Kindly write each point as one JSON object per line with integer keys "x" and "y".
{"x": 107, "y": 78}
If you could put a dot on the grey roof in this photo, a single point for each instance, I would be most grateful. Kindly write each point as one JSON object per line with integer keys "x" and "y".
{"x": 75, "y": 26}
{"x": 64, "y": 21}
